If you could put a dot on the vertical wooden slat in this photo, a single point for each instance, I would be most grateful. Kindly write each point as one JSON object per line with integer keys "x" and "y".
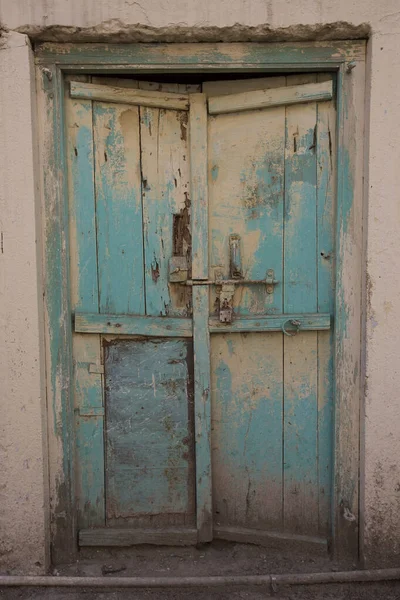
{"x": 202, "y": 411}
{"x": 326, "y": 210}
{"x": 118, "y": 208}
{"x": 300, "y": 295}
{"x": 88, "y": 387}
{"x": 198, "y": 178}
{"x": 165, "y": 194}
{"x": 201, "y": 336}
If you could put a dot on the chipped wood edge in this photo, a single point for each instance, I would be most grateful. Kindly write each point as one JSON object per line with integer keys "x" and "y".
{"x": 285, "y": 96}
{"x": 123, "y": 95}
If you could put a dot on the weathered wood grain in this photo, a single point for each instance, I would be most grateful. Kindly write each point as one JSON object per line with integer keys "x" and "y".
{"x": 107, "y": 93}
{"x": 258, "y": 99}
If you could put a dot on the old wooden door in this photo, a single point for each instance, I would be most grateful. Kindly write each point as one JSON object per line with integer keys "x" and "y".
{"x": 177, "y": 439}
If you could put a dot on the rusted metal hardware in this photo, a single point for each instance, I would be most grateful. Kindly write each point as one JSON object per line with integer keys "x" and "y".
{"x": 226, "y": 302}
{"x": 269, "y": 281}
{"x": 295, "y": 323}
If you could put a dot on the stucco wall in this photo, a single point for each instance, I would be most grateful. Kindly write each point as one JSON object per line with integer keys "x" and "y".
{"x": 23, "y": 514}
{"x": 123, "y": 20}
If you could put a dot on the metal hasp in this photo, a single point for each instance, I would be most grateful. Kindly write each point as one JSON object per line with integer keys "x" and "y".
{"x": 226, "y": 302}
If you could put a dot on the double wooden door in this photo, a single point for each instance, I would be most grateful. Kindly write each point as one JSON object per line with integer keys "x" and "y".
{"x": 201, "y": 271}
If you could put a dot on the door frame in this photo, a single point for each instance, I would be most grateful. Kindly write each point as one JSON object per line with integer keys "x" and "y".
{"x": 347, "y": 60}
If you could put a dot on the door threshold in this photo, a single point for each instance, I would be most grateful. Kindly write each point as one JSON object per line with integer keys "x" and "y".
{"x": 257, "y": 536}
{"x": 113, "y": 536}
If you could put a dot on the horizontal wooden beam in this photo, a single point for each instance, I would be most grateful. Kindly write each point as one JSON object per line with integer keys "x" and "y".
{"x": 283, "y": 96}
{"x": 262, "y": 538}
{"x": 133, "y": 325}
{"x": 308, "y": 322}
{"x": 112, "y": 536}
{"x": 105, "y": 93}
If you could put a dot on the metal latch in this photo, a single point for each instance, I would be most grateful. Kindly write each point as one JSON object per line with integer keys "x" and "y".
{"x": 226, "y": 303}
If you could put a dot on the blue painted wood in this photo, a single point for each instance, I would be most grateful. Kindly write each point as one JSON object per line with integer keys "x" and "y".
{"x": 118, "y": 209}
{"x": 247, "y": 384}
{"x": 300, "y": 293}
{"x": 130, "y": 325}
{"x": 88, "y": 388}
{"x": 149, "y": 403}
{"x": 316, "y": 321}
{"x": 202, "y": 409}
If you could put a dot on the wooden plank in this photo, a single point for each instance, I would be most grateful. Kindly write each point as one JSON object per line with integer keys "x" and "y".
{"x": 246, "y": 188}
{"x": 237, "y": 86}
{"x": 262, "y": 538}
{"x": 149, "y": 428}
{"x": 213, "y": 56}
{"x": 300, "y": 293}
{"x": 130, "y": 325}
{"x": 316, "y": 321}
{"x": 122, "y": 95}
{"x": 350, "y": 286}
{"x": 202, "y": 409}
{"x": 295, "y": 94}
{"x": 166, "y": 207}
{"x": 198, "y": 179}
{"x": 247, "y": 411}
{"x": 118, "y": 208}
{"x": 133, "y": 537}
{"x": 88, "y": 387}
{"x": 326, "y": 211}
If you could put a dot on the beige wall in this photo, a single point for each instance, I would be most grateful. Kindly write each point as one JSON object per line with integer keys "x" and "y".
{"x": 120, "y": 20}
{"x": 23, "y": 514}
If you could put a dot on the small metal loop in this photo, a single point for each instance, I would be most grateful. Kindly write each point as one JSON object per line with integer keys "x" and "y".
{"x": 293, "y": 322}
